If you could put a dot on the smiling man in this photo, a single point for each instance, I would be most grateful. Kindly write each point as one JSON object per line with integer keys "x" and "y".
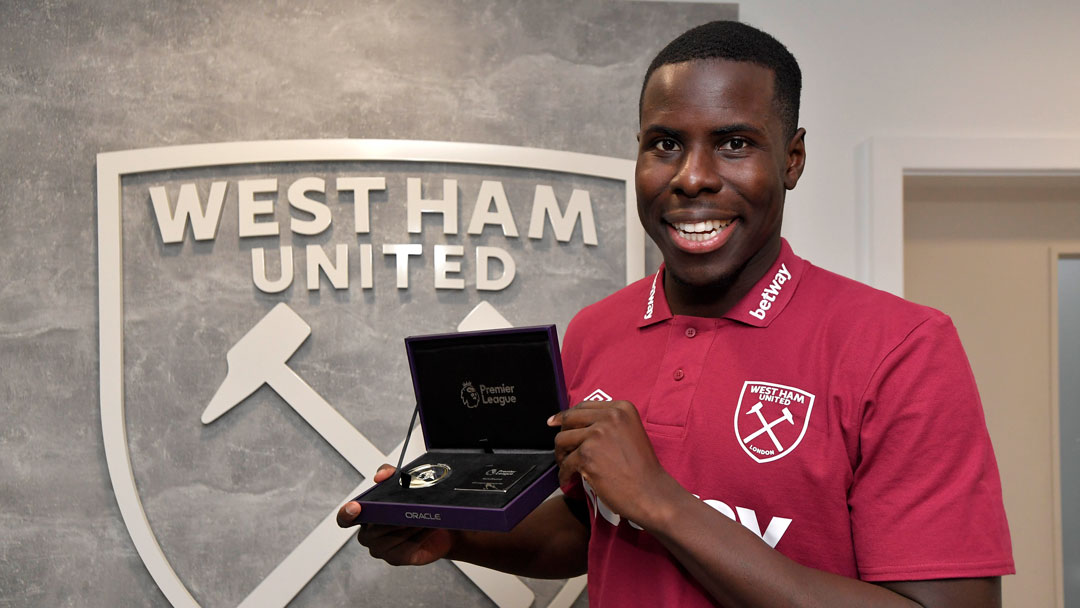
{"x": 780, "y": 435}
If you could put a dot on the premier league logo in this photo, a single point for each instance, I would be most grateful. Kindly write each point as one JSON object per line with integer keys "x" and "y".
{"x": 469, "y": 397}
{"x": 771, "y": 419}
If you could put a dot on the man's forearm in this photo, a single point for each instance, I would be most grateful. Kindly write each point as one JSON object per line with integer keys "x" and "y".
{"x": 550, "y": 543}
{"x": 738, "y": 569}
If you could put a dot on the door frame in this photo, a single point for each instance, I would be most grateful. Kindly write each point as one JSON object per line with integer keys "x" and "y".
{"x": 1058, "y": 250}
{"x": 881, "y": 165}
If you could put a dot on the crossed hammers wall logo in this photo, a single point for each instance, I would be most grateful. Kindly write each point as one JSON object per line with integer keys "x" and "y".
{"x": 261, "y": 357}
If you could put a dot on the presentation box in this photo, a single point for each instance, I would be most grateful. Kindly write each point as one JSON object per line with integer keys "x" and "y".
{"x": 484, "y": 398}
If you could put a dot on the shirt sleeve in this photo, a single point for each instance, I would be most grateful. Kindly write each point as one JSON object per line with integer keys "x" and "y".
{"x": 926, "y": 497}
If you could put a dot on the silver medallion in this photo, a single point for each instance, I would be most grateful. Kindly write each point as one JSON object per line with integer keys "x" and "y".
{"x": 425, "y": 475}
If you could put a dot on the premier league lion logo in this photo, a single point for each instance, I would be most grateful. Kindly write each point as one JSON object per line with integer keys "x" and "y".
{"x": 470, "y": 398}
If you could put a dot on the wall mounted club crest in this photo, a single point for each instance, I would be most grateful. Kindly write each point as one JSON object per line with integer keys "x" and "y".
{"x": 253, "y": 300}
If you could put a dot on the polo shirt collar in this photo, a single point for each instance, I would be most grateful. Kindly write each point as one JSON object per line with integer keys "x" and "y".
{"x": 656, "y": 306}
{"x": 765, "y": 301}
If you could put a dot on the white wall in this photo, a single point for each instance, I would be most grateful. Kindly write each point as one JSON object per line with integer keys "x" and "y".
{"x": 960, "y": 68}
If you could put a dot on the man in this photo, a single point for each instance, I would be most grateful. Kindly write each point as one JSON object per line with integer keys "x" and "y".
{"x": 782, "y": 436}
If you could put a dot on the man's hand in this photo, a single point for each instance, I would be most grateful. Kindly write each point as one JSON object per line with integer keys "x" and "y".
{"x": 398, "y": 546}
{"x": 605, "y": 442}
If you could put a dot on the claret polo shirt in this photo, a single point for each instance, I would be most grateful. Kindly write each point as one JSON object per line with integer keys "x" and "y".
{"x": 839, "y": 423}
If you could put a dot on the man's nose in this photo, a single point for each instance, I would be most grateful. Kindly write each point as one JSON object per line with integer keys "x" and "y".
{"x": 697, "y": 173}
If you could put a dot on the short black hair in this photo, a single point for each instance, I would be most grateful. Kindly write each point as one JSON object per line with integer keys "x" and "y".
{"x": 735, "y": 41}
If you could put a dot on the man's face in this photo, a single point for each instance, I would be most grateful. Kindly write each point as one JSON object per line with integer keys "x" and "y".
{"x": 713, "y": 166}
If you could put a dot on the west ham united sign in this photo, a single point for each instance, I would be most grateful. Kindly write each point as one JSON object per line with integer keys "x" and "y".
{"x": 253, "y": 301}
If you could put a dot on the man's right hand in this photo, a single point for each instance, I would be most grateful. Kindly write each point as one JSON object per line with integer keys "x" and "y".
{"x": 398, "y": 546}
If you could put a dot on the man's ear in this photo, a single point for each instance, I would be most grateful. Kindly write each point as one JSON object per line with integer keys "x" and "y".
{"x": 796, "y": 159}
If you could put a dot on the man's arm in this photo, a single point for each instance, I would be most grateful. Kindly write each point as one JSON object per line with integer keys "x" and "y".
{"x": 738, "y": 569}
{"x": 607, "y": 445}
{"x": 551, "y": 542}
{"x": 962, "y": 592}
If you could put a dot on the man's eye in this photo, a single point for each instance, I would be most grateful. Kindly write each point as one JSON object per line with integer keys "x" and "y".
{"x": 666, "y": 145}
{"x": 735, "y": 143}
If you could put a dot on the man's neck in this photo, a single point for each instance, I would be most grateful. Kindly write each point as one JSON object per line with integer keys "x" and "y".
{"x": 716, "y": 299}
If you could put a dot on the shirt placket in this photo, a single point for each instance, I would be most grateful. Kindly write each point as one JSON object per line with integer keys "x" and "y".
{"x": 680, "y": 373}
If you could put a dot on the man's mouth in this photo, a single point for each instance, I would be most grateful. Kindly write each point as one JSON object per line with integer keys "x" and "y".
{"x": 700, "y": 231}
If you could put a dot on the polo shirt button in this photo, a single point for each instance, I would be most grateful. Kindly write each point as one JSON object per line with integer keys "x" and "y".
{"x": 679, "y": 375}
{"x": 690, "y": 332}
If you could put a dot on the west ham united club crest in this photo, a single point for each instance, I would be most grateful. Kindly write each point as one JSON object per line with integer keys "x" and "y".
{"x": 771, "y": 419}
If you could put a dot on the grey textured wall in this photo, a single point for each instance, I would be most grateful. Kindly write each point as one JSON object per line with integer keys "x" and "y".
{"x": 228, "y": 501}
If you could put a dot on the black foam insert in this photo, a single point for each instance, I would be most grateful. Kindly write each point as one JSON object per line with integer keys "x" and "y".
{"x": 464, "y": 466}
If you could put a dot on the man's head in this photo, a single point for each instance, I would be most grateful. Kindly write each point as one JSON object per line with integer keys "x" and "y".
{"x": 736, "y": 41}
{"x": 716, "y": 154}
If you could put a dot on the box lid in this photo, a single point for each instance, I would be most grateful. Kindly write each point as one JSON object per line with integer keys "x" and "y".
{"x": 489, "y": 389}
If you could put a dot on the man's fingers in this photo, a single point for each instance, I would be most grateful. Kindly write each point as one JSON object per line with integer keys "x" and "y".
{"x": 347, "y": 514}
{"x": 567, "y": 467}
{"x": 385, "y": 472}
{"x": 399, "y": 546}
{"x": 567, "y": 441}
{"x": 559, "y": 418}
{"x": 372, "y": 534}
{"x": 583, "y": 414}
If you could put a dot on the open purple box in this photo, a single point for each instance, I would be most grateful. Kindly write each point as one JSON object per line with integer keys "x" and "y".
{"x": 484, "y": 398}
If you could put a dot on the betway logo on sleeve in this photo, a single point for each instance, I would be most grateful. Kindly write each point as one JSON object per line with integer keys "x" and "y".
{"x": 770, "y": 293}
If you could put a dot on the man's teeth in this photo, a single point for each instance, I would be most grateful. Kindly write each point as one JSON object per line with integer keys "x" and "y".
{"x": 700, "y": 231}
